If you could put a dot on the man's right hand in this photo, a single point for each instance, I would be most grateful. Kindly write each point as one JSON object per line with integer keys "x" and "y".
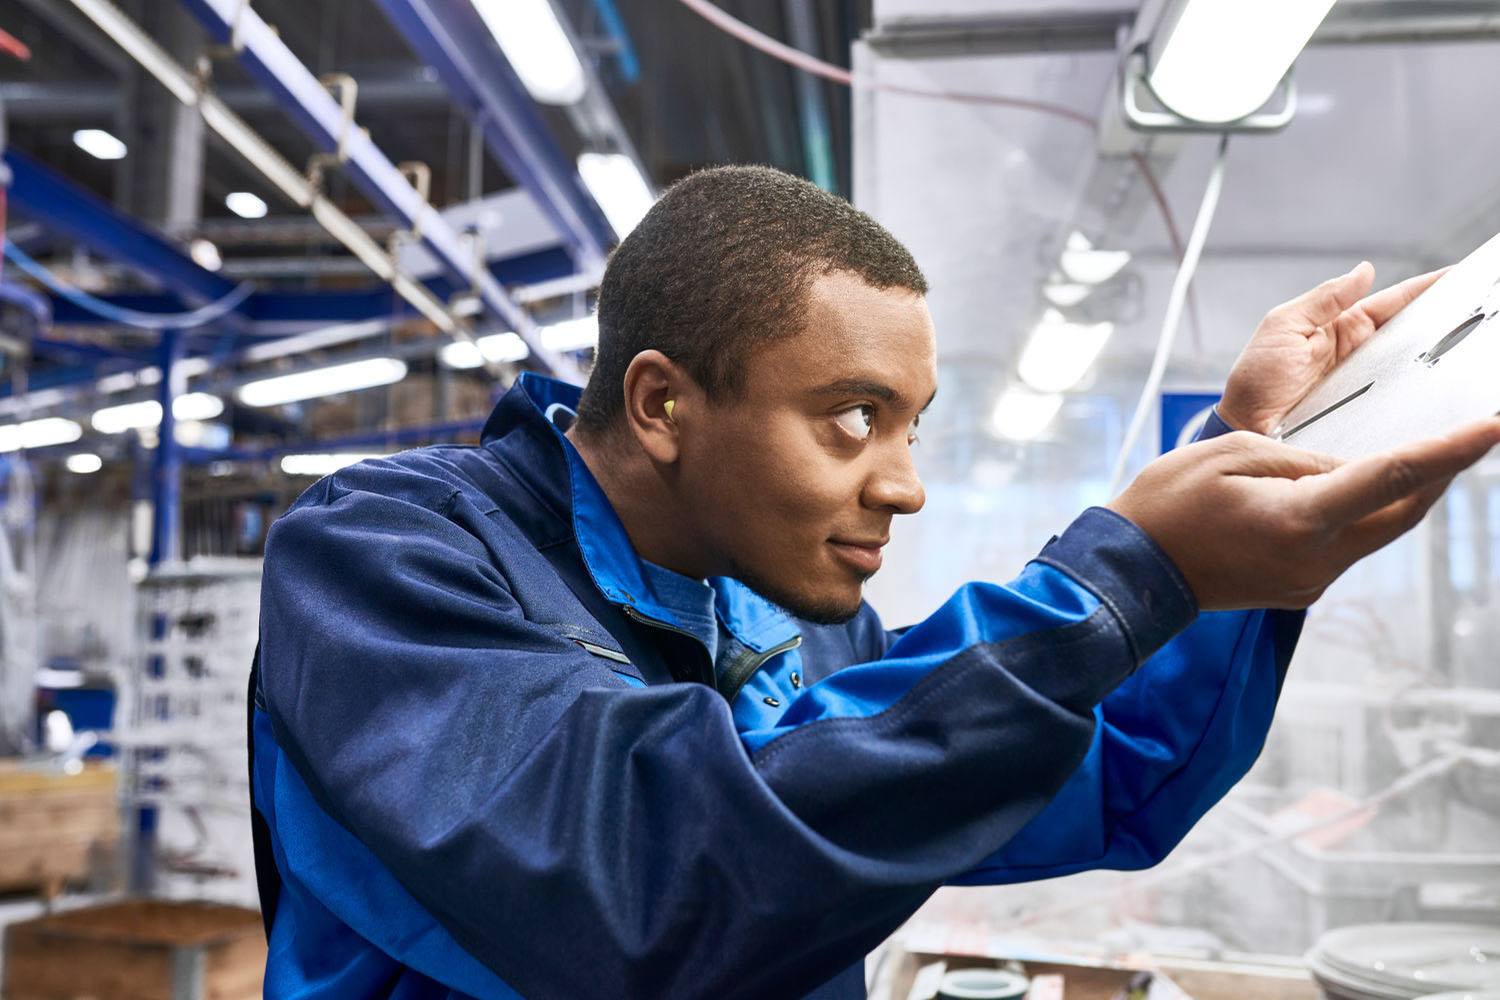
{"x": 1254, "y": 523}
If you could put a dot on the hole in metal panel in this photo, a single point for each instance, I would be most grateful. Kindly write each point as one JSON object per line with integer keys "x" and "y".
{"x": 1327, "y": 410}
{"x": 1451, "y": 340}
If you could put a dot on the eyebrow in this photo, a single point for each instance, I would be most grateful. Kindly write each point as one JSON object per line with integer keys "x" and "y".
{"x": 866, "y": 387}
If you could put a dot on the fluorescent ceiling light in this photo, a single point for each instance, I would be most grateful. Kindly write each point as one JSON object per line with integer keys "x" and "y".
{"x": 1219, "y": 60}
{"x": 39, "y": 433}
{"x": 197, "y": 406}
{"x": 1083, "y": 264}
{"x": 1065, "y": 294}
{"x": 1023, "y": 415}
{"x": 572, "y": 334}
{"x": 568, "y": 335}
{"x": 84, "y": 462}
{"x": 205, "y": 254}
{"x": 98, "y": 143}
{"x": 329, "y": 381}
{"x": 537, "y": 48}
{"x": 200, "y": 434}
{"x": 1059, "y": 353}
{"x": 147, "y": 412}
{"x": 320, "y": 465}
{"x": 246, "y": 205}
{"x": 494, "y": 347}
{"x": 618, "y": 187}
{"x": 127, "y": 417}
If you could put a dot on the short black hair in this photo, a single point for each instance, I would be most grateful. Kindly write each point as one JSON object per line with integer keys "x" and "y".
{"x": 720, "y": 266}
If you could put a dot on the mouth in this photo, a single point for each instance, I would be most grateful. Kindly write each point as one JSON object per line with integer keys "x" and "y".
{"x": 863, "y": 557}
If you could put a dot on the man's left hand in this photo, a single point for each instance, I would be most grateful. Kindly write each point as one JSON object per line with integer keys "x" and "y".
{"x": 1300, "y": 342}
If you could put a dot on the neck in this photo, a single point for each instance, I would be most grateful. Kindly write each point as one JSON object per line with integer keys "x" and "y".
{"x": 658, "y": 524}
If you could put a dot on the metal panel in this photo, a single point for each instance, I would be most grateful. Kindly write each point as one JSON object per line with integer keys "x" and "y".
{"x": 453, "y": 39}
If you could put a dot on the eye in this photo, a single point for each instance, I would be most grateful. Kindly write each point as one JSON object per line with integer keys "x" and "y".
{"x": 911, "y": 431}
{"x": 857, "y": 421}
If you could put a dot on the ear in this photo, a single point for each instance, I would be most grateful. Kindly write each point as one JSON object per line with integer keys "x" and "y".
{"x": 651, "y": 380}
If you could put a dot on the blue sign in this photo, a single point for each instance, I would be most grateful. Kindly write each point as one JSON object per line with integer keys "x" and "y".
{"x": 1182, "y": 416}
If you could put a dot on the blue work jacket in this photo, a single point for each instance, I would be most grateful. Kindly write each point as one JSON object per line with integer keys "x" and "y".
{"x": 496, "y": 753}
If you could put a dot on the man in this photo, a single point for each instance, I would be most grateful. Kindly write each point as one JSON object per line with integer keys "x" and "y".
{"x": 596, "y": 708}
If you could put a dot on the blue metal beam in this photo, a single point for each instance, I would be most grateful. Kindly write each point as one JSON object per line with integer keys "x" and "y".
{"x": 266, "y": 57}
{"x": 62, "y": 206}
{"x": 452, "y": 38}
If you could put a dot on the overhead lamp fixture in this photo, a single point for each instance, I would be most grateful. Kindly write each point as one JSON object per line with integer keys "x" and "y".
{"x": 205, "y": 254}
{"x": 617, "y": 185}
{"x": 1022, "y": 415}
{"x": 99, "y": 144}
{"x": 537, "y": 48}
{"x": 1065, "y": 294}
{"x": 496, "y": 348}
{"x": 147, "y": 412}
{"x": 1084, "y": 264}
{"x": 197, "y": 406}
{"x": 321, "y": 464}
{"x": 1060, "y": 353}
{"x": 1215, "y": 63}
{"x": 567, "y": 335}
{"x": 41, "y": 433}
{"x": 84, "y": 463}
{"x": 572, "y": 334}
{"x": 331, "y": 381}
{"x": 246, "y": 204}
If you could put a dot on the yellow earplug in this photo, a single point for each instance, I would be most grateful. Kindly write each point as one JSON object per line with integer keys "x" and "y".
{"x": 668, "y": 407}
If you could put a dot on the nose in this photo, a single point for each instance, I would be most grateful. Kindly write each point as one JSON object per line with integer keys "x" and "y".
{"x": 894, "y": 485}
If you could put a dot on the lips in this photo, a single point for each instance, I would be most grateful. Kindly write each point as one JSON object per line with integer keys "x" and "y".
{"x": 863, "y": 557}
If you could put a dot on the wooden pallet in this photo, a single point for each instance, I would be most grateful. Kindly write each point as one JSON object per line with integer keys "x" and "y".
{"x": 140, "y": 949}
{"x": 55, "y": 828}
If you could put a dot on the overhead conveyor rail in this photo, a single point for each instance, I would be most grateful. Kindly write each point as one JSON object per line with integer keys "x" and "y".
{"x": 453, "y": 40}
{"x": 188, "y": 88}
{"x": 330, "y": 126}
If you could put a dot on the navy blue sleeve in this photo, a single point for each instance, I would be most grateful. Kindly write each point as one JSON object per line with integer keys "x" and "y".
{"x": 577, "y": 835}
{"x": 1169, "y": 743}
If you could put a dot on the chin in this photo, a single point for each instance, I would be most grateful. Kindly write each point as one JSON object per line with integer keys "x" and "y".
{"x": 833, "y": 605}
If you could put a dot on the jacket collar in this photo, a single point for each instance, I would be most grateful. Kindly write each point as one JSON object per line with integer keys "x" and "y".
{"x": 557, "y": 474}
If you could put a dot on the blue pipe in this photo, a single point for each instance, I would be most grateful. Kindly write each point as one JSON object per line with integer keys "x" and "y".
{"x": 128, "y": 317}
{"x": 614, "y": 24}
{"x": 63, "y": 207}
{"x": 166, "y": 480}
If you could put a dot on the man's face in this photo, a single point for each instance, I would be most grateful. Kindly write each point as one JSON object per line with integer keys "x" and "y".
{"x": 795, "y": 483}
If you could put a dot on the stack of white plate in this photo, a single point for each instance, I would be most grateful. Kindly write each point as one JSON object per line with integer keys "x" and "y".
{"x": 1405, "y": 961}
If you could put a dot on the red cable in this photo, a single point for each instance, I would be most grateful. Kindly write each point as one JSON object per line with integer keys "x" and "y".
{"x": 759, "y": 40}
{"x": 12, "y": 45}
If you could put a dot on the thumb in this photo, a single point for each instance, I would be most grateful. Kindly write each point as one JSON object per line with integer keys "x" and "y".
{"x": 1249, "y": 454}
{"x": 1326, "y": 302}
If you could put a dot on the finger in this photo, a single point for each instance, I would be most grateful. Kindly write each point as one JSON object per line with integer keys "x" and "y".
{"x": 1375, "y": 532}
{"x": 1359, "y": 323}
{"x": 1387, "y": 302}
{"x": 1324, "y": 304}
{"x": 1257, "y": 456}
{"x": 1360, "y": 488}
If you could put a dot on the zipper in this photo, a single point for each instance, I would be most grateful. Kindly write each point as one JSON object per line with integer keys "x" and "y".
{"x": 634, "y": 615}
{"x": 738, "y": 675}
